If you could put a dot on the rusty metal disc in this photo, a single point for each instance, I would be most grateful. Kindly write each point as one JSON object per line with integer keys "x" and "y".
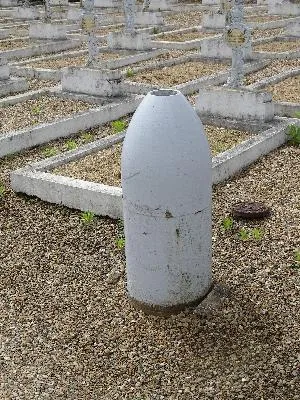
{"x": 251, "y": 210}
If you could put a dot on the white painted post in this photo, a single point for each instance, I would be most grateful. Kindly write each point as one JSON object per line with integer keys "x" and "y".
{"x": 166, "y": 181}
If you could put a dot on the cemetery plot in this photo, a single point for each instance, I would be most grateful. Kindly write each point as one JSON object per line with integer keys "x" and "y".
{"x": 182, "y": 36}
{"x": 184, "y": 19}
{"x": 13, "y": 44}
{"x": 105, "y": 30}
{"x": 72, "y": 61}
{"x": 278, "y": 46}
{"x": 274, "y": 68}
{"x": 38, "y": 111}
{"x": 165, "y": 56}
{"x": 105, "y": 166}
{"x": 262, "y": 33}
{"x": 177, "y": 74}
{"x": 54, "y": 54}
{"x": 35, "y": 84}
{"x": 288, "y": 90}
{"x": 264, "y": 18}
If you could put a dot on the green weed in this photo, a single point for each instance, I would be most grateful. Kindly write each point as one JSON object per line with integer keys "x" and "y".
{"x": 129, "y": 73}
{"x": 87, "y": 137}
{"x": 296, "y": 263}
{"x": 119, "y": 125}
{"x": 244, "y": 234}
{"x": 120, "y": 243}
{"x": 36, "y": 110}
{"x": 294, "y": 134}
{"x": 227, "y": 223}
{"x": 256, "y": 233}
{"x": 71, "y": 144}
{"x": 87, "y": 217}
{"x": 50, "y": 152}
{"x": 2, "y": 191}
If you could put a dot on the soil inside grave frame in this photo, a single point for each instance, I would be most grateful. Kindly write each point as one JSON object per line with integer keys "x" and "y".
{"x": 104, "y": 166}
{"x": 40, "y": 110}
{"x": 179, "y": 73}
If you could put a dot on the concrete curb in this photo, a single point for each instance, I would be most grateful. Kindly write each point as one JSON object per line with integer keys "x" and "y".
{"x": 107, "y": 200}
{"x": 15, "y": 141}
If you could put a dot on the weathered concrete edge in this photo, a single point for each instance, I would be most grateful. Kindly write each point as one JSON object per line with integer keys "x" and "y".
{"x": 16, "y": 141}
{"x": 106, "y": 200}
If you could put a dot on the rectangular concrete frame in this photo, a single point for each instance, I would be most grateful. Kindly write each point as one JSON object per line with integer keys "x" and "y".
{"x": 38, "y": 49}
{"x": 20, "y": 68}
{"x": 15, "y": 141}
{"x": 34, "y": 180}
{"x": 281, "y": 109}
{"x": 190, "y": 86}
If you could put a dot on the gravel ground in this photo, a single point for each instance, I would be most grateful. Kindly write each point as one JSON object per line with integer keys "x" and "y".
{"x": 280, "y": 46}
{"x": 169, "y": 55}
{"x": 176, "y": 74}
{"x": 70, "y": 61}
{"x": 286, "y": 90}
{"x": 68, "y": 331}
{"x": 105, "y": 166}
{"x": 81, "y": 46}
{"x": 105, "y": 31}
{"x": 13, "y": 44}
{"x": 185, "y": 19}
{"x": 35, "y": 84}
{"x": 264, "y": 18}
{"x": 38, "y": 111}
{"x": 275, "y": 67}
{"x": 182, "y": 37}
{"x": 261, "y": 33}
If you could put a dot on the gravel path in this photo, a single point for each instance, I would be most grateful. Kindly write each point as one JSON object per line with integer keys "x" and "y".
{"x": 69, "y": 333}
{"x": 286, "y": 90}
{"x": 274, "y": 68}
{"x": 176, "y": 74}
{"x": 38, "y": 111}
{"x": 105, "y": 166}
{"x": 278, "y": 46}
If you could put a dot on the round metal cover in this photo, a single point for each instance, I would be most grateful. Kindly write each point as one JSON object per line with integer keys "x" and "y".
{"x": 251, "y": 210}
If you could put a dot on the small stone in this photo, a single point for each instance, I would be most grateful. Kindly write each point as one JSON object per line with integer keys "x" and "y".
{"x": 113, "y": 276}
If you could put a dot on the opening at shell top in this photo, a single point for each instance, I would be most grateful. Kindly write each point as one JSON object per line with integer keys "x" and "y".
{"x": 164, "y": 92}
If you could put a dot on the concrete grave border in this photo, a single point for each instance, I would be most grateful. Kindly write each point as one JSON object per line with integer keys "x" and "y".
{"x": 41, "y": 48}
{"x": 282, "y": 109}
{"x": 190, "y": 86}
{"x": 259, "y": 55}
{"x": 21, "y": 69}
{"x": 34, "y": 179}
{"x": 15, "y": 141}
